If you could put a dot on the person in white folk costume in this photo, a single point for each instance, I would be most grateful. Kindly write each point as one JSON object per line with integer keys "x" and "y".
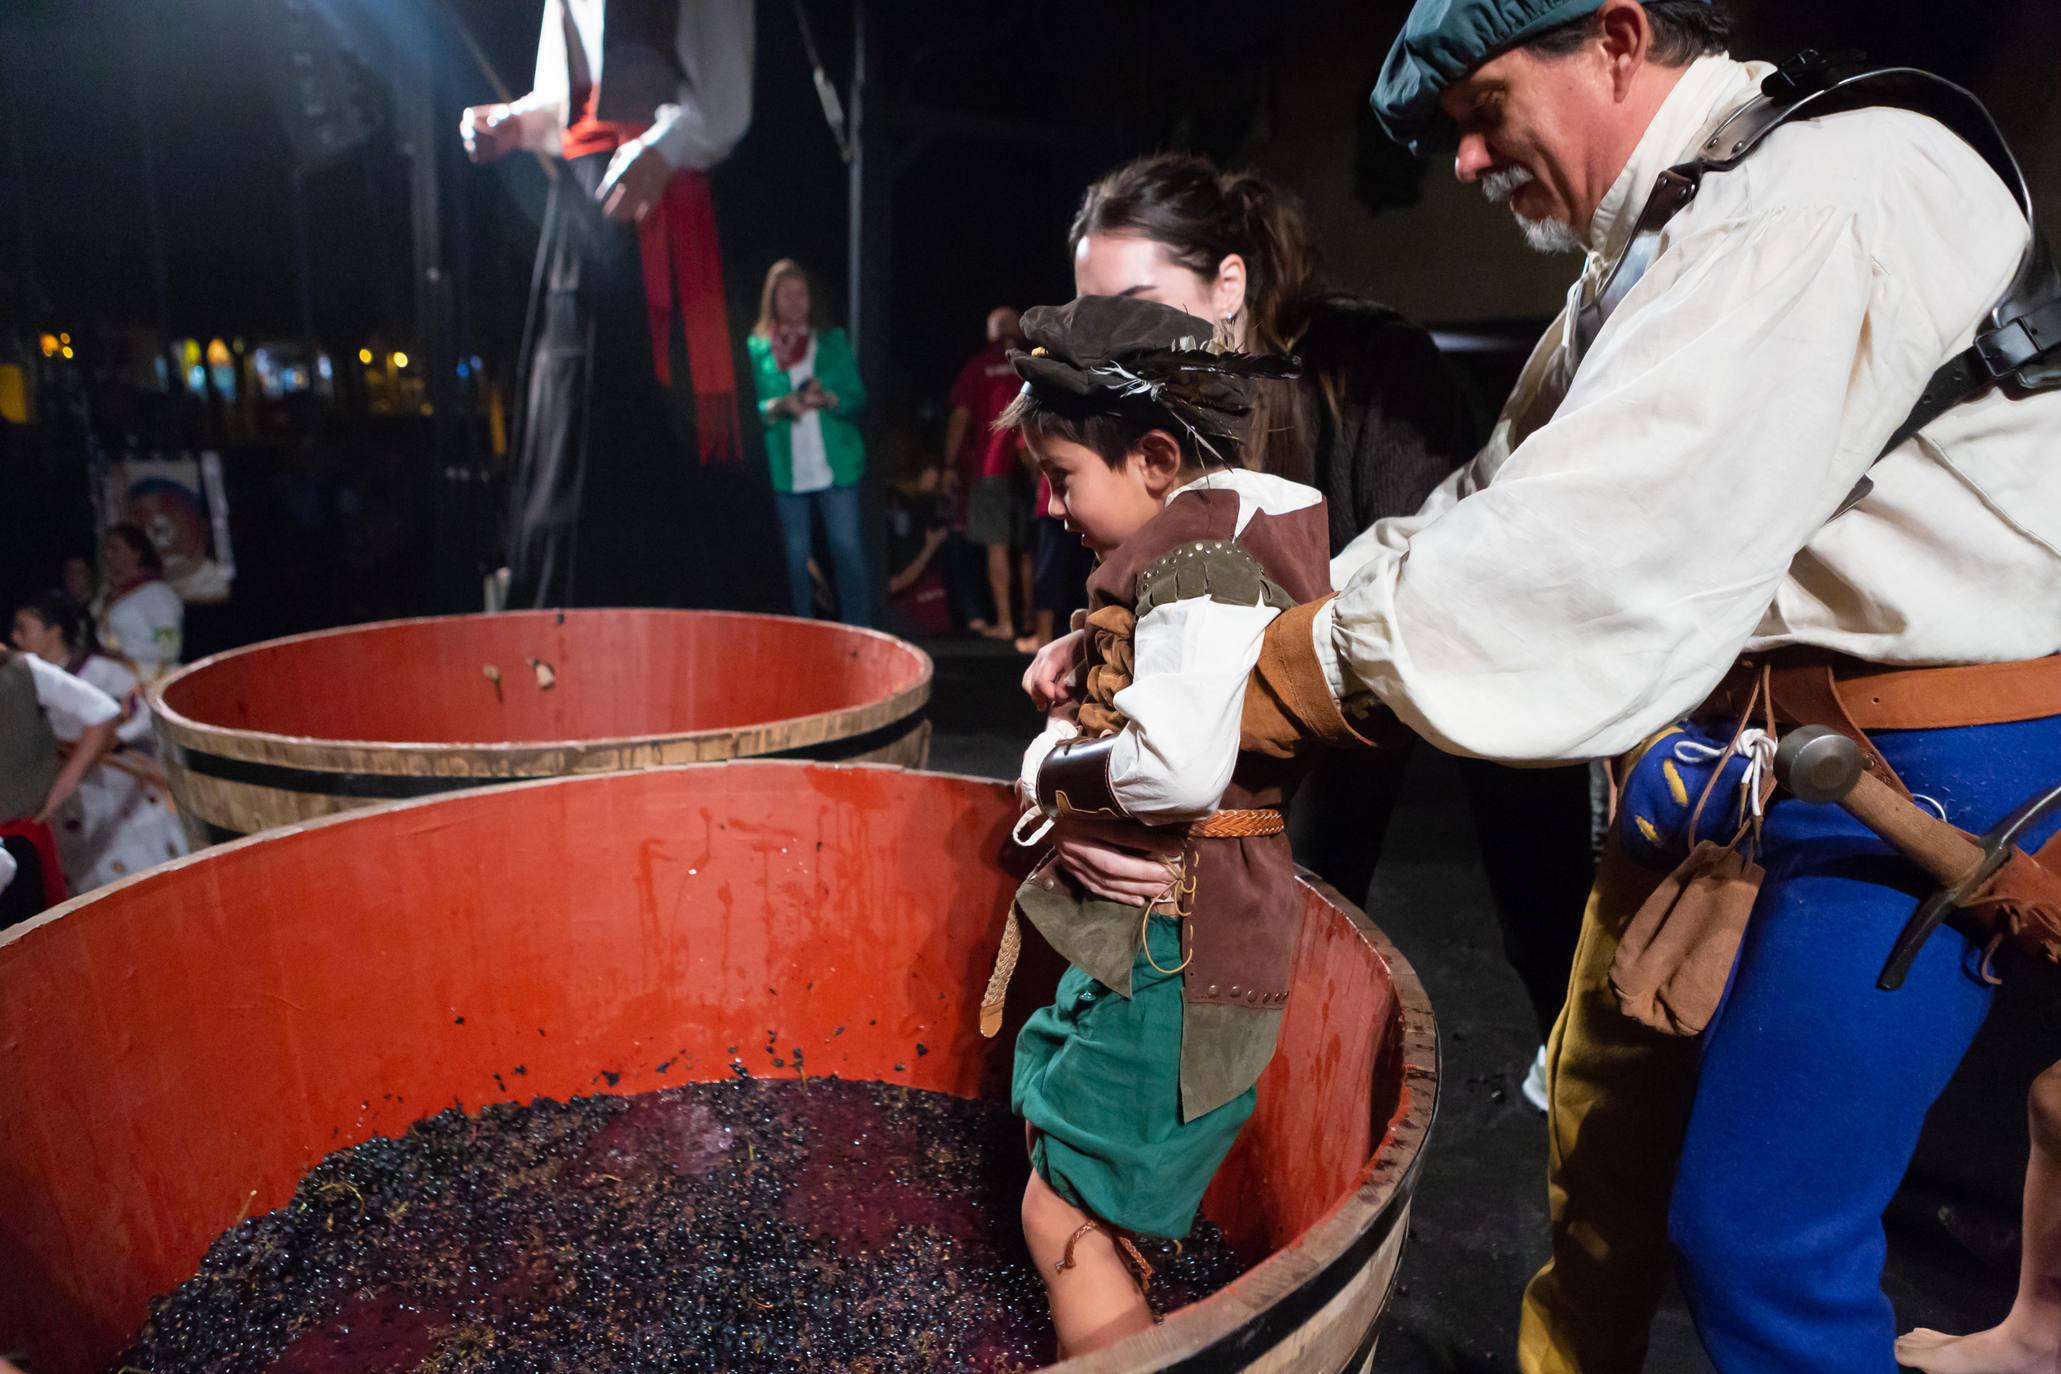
{"x": 138, "y": 617}
{"x": 39, "y": 777}
{"x": 119, "y": 820}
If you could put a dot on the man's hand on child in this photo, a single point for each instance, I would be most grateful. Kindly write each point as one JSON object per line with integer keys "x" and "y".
{"x": 1117, "y": 860}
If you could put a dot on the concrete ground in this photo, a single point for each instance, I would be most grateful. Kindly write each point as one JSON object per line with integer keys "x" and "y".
{"x": 1479, "y": 1226}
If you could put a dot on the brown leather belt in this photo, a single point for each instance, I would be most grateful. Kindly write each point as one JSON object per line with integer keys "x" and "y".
{"x": 1816, "y": 687}
{"x": 1876, "y": 697}
{"x": 1239, "y": 825}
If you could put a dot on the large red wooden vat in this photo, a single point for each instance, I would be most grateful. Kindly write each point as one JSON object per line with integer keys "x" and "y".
{"x": 177, "y": 1049}
{"x": 296, "y": 728}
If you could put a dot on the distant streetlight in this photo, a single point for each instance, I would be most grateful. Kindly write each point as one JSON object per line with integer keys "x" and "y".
{"x": 365, "y": 356}
{"x": 400, "y": 359}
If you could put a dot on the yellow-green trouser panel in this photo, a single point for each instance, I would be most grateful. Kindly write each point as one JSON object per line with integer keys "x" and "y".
{"x": 1620, "y": 1105}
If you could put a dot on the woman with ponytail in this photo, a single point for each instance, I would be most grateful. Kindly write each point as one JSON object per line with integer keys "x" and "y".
{"x": 1377, "y": 419}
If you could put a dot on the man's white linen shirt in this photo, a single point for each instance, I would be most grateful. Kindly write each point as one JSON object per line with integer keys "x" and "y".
{"x": 1625, "y": 536}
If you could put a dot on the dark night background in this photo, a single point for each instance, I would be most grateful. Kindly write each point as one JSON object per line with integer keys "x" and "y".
{"x": 148, "y": 155}
{"x": 147, "y": 169}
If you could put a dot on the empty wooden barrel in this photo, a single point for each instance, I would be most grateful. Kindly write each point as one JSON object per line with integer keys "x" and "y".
{"x": 178, "y": 1049}
{"x": 296, "y": 728}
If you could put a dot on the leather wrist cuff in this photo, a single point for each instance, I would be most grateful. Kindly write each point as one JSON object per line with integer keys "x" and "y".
{"x": 1074, "y": 779}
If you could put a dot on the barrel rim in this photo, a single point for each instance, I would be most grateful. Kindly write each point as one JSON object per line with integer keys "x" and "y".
{"x": 529, "y": 758}
{"x": 1231, "y": 1327}
{"x": 10, "y": 934}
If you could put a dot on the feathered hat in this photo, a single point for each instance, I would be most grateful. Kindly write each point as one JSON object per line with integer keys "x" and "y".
{"x": 1125, "y": 355}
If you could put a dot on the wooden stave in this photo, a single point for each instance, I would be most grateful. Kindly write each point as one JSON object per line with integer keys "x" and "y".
{"x": 312, "y": 777}
{"x": 1360, "y": 1241}
{"x": 1352, "y": 1251}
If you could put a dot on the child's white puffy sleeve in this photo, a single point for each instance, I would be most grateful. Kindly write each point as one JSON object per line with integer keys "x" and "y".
{"x": 1196, "y": 638}
{"x": 1175, "y": 757}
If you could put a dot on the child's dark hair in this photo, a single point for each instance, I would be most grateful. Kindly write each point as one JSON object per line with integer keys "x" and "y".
{"x": 1109, "y": 431}
{"x": 59, "y": 614}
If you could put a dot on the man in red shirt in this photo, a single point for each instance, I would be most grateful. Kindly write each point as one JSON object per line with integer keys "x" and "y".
{"x": 988, "y": 467}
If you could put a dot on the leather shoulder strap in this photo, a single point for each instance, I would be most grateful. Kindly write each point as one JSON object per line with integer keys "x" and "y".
{"x": 2022, "y": 346}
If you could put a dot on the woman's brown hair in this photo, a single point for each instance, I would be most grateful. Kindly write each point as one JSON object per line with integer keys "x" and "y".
{"x": 1201, "y": 215}
{"x": 147, "y": 556}
{"x": 778, "y": 272}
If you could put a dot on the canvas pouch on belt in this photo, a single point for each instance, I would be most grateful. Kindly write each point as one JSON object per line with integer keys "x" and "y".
{"x": 1684, "y": 800}
{"x": 1676, "y": 955}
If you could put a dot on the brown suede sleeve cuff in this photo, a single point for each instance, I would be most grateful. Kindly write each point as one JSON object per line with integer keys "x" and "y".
{"x": 1288, "y": 700}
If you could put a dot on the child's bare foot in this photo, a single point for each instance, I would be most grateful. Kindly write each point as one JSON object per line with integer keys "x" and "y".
{"x": 2000, "y": 1350}
{"x": 1028, "y": 644}
{"x": 1000, "y": 630}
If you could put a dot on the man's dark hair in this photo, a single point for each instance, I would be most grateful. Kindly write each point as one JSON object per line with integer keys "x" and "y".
{"x": 1683, "y": 30}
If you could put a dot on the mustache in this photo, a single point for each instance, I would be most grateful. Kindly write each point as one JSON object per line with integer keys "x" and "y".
{"x": 1499, "y": 186}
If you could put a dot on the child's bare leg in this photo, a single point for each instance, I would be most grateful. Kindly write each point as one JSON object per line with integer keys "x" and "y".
{"x": 1095, "y": 1300}
{"x": 2029, "y": 1339}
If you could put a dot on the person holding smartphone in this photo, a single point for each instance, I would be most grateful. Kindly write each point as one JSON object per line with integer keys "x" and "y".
{"x": 810, "y": 399}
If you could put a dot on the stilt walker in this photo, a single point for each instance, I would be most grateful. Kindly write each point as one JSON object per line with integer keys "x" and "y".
{"x": 640, "y": 98}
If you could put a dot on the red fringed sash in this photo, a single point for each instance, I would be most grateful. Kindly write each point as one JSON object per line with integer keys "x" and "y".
{"x": 683, "y": 262}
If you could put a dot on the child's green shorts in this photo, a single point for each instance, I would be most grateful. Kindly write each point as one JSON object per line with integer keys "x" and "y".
{"x": 1099, "y": 1075}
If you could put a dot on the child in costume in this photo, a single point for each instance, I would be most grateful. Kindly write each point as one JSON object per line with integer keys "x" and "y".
{"x": 1136, "y": 1080}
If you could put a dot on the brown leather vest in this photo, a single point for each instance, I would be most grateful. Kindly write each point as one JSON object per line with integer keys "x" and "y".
{"x": 1245, "y": 920}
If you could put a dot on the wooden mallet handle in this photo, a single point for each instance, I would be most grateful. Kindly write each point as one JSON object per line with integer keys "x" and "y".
{"x": 1942, "y": 851}
{"x": 1818, "y": 764}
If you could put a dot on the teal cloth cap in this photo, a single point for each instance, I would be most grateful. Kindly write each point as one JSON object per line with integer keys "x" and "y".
{"x": 1441, "y": 42}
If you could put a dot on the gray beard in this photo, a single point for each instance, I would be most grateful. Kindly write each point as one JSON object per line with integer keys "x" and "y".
{"x": 1540, "y": 235}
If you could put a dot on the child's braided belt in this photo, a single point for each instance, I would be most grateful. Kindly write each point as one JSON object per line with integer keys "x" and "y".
{"x": 1239, "y": 825}
{"x": 1233, "y": 824}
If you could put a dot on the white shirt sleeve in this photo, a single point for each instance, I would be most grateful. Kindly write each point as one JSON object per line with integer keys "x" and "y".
{"x": 147, "y": 627}
{"x": 716, "y": 41}
{"x": 1191, "y": 657}
{"x": 1057, "y": 728}
{"x": 1600, "y": 586}
{"x": 542, "y": 112}
{"x": 57, "y": 690}
{"x": 121, "y": 684}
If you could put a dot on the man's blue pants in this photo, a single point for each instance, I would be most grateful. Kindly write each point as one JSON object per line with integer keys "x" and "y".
{"x": 1814, "y": 1083}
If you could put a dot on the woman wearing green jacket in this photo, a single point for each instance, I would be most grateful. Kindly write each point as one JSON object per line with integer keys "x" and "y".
{"x": 810, "y": 397}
